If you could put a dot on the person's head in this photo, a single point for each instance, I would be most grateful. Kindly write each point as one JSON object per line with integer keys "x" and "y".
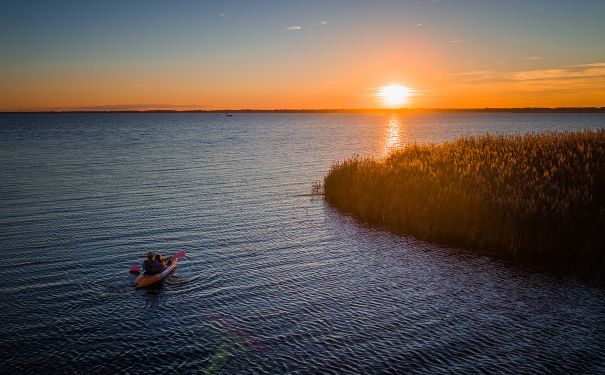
{"x": 150, "y": 255}
{"x": 159, "y": 258}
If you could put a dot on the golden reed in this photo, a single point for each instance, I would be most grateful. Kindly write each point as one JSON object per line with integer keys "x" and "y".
{"x": 535, "y": 197}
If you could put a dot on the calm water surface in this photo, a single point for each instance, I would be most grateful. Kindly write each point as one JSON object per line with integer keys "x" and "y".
{"x": 274, "y": 281}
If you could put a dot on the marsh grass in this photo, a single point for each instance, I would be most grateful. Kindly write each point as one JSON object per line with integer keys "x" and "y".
{"x": 533, "y": 197}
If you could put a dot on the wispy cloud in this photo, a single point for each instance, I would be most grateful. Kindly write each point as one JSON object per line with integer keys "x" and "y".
{"x": 534, "y": 58}
{"x": 475, "y": 75}
{"x": 301, "y": 27}
{"x": 574, "y": 71}
{"x": 418, "y": 25}
{"x": 222, "y": 15}
{"x": 573, "y": 86}
{"x": 574, "y": 80}
{"x": 561, "y": 73}
{"x": 601, "y": 64}
{"x": 457, "y": 41}
{"x": 138, "y": 85}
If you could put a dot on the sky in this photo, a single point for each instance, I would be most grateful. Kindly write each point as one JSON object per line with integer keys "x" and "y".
{"x": 116, "y": 55}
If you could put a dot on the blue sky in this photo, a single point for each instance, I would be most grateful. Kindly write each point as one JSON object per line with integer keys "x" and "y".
{"x": 77, "y": 41}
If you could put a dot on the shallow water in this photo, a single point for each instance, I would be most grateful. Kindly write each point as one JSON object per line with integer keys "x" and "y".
{"x": 274, "y": 281}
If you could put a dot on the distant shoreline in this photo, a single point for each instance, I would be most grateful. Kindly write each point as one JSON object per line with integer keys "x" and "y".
{"x": 352, "y": 110}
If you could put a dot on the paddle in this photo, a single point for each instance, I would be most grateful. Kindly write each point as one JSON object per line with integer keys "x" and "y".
{"x": 136, "y": 268}
{"x": 179, "y": 254}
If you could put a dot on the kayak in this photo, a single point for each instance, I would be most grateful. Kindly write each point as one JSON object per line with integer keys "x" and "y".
{"x": 146, "y": 280}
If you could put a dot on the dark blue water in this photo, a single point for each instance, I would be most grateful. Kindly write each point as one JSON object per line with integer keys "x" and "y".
{"x": 274, "y": 281}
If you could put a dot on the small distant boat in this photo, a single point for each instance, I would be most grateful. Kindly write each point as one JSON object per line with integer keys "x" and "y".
{"x": 228, "y": 115}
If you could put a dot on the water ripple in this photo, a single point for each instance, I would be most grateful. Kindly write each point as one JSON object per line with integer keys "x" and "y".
{"x": 274, "y": 282}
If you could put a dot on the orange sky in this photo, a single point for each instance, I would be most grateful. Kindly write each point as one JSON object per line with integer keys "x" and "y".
{"x": 303, "y": 56}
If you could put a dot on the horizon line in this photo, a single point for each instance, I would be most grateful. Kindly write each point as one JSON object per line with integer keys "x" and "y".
{"x": 325, "y": 110}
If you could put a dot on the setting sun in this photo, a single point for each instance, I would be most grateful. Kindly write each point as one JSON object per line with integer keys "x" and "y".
{"x": 394, "y": 95}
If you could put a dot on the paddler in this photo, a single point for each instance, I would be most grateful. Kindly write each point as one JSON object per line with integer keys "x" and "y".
{"x": 151, "y": 266}
{"x": 165, "y": 262}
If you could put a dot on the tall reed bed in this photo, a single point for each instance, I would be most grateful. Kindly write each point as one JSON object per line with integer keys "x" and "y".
{"x": 533, "y": 196}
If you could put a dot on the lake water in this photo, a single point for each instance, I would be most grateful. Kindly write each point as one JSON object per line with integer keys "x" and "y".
{"x": 274, "y": 281}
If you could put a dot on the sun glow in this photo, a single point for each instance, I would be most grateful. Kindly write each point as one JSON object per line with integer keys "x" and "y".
{"x": 394, "y": 95}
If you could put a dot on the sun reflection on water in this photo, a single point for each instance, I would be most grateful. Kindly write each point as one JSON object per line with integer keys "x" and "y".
{"x": 392, "y": 137}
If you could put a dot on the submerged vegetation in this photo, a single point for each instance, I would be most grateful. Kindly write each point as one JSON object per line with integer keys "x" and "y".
{"x": 534, "y": 197}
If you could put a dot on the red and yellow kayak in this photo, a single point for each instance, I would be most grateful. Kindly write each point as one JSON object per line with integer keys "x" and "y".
{"x": 146, "y": 280}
